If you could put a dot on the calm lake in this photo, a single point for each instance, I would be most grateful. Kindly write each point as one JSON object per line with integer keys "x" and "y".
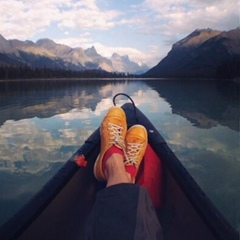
{"x": 42, "y": 123}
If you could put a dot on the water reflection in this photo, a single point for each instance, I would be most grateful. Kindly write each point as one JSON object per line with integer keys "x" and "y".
{"x": 42, "y": 123}
{"x": 204, "y": 103}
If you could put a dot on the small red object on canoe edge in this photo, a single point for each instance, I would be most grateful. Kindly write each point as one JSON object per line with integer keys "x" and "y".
{"x": 81, "y": 162}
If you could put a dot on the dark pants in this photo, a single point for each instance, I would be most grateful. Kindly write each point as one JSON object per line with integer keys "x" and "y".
{"x": 123, "y": 212}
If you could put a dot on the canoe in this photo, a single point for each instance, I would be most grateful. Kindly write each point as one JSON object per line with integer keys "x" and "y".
{"x": 61, "y": 208}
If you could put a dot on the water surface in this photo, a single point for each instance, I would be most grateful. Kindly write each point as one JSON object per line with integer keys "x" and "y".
{"x": 42, "y": 123}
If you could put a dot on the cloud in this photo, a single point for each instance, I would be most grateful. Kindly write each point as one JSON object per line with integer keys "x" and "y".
{"x": 189, "y": 137}
{"x": 152, "y": 17}
{"x": 76, "y": 114}
{"x": 83, "y": 40}
{"x": 27, "y": 18}
{"x": 133, "y": 53}
{"x": 181, "y": 17}
{"x": 21, "y": 19}
{"x": 29, "y": 148}
{"x": 85, "y": 18}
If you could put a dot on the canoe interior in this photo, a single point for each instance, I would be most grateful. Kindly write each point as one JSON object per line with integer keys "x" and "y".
{"x": 61, "y": 208}
{"x": 66, "y": 215}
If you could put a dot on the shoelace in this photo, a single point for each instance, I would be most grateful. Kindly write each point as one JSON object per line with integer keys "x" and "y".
{"x": 132, "y": 154}
{"x": 116, "y": 137}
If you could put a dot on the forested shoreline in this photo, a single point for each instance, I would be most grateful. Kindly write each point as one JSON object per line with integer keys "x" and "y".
{"x": 227, "y": 70}
{"x": 8, "y": 72}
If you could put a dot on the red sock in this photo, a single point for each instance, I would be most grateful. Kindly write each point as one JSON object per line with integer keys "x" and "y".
{"x": 132, "y": 170}
{"x": 109, "y": 153}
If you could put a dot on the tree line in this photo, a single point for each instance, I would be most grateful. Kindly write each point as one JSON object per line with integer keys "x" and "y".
{"x": 26, "y": 72}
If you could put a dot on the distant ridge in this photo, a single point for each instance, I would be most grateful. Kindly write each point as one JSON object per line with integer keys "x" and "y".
{"x": 205, "y": 53}
{"x": 47, "y": 53}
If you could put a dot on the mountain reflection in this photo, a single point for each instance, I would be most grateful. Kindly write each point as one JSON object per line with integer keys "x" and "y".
{"x": 204, "y": 103}
{"x": 43, "y": 99}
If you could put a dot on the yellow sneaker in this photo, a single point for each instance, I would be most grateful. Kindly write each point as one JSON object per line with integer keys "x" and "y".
{"x": 136, "y": 144}
{"x": 113, "y": 132}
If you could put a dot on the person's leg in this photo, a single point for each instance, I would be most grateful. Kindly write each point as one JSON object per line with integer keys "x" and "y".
{"x": 113, "y": 132}
{"x": 114, "y": 213}
{"x": 123, "y": 210}
{"x": 115, "y": 170}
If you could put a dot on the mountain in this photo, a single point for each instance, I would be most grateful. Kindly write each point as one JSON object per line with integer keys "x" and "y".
{"x": 83, "y": 59}
{"x": 47, "y": 53}
{"x": 8, "y": 53}
{"x": 124, "y": 64}
{"x": 5, "y": 46}
{"x": 17, "y": 53}
{"x": 204, "y": 53}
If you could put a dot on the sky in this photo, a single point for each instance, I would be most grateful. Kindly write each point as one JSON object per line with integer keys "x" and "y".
{"x": 143, "y": 29}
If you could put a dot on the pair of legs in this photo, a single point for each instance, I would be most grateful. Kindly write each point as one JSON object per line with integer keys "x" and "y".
{"x": 123, "y": 210}
{"x": 122, "y": 149}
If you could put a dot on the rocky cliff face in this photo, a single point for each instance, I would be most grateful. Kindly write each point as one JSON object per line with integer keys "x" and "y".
{"x": 201, "y": 54}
